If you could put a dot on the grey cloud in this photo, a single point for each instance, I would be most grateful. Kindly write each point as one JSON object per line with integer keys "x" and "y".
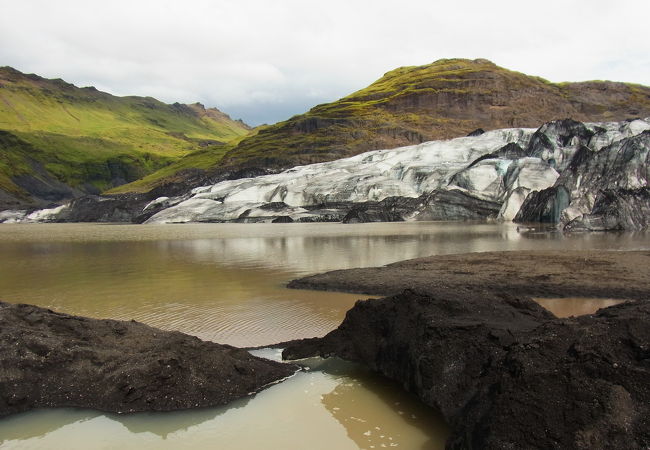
{"x": 265, "y": 61}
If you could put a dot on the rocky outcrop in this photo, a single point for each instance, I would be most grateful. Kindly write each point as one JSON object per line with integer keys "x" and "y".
{"x": 49, "y": 359}
{"x": 438, "y": 205}
{"x": 502, "y": 370}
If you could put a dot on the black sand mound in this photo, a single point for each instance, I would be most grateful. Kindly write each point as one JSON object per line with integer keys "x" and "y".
{"x": 504, "y": 372}
{"x": 49, "y": 359}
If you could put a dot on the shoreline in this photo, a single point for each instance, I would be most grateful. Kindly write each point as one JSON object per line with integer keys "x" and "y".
{"x": 463, "y": 334}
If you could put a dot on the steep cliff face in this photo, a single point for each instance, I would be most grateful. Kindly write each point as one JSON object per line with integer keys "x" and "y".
{"x": 442, "y": 100}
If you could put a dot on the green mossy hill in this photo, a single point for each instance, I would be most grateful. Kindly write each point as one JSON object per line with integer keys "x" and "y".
{"x": 448, "y": 98}
{"x": 92, "y": 141}
{"x": 196, "y": 167}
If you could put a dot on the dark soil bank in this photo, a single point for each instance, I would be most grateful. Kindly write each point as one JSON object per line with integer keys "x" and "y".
{"x": 605, "y": 274}
{"x": 504, "y": 372}
{"x": 49, "y": 359}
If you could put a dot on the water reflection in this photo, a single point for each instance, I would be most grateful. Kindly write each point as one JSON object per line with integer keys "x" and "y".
{"x": 315, "y": 408}
{"x": 362, "y": 412}
{"x": 36, "y": 424}
{"x": 224, "y": 282}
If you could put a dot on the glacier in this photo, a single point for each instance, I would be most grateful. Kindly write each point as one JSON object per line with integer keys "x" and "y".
{"x": 515, "y": 174}
{"x": 500, "y": 168}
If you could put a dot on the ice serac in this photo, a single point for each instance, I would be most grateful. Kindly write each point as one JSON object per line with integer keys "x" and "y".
{"x": 604, "y": 186}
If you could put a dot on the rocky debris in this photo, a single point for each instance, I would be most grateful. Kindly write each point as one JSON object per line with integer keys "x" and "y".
{"x": 50, "y": 359}
{"x": 621, "y": 209}
{"x": 455, "y": 204}
{"x": 596, "y": 182}
{"x": 503, "y": 371}
{"x": 604, "y": 274}
{"x": 477, "y": 132}
{"x": 391, "y": 209}
{"x": 119, "y": 208}
{"x": 438, "y": 205}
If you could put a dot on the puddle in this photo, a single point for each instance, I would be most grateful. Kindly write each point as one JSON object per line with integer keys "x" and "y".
{"x": 332, "y": 405}
{"x": 576, "y": 306}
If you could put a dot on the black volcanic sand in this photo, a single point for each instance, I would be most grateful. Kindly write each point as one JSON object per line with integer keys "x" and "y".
{"x": 604, "y": 274}
{"x": 504, "y": 372}
{"x": 49, "y": 359}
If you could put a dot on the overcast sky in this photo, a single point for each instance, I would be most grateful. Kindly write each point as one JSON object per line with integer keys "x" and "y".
{"x": 266, "y": 60}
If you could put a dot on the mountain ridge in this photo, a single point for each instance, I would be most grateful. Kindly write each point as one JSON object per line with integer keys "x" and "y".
{"x": 445, "y": 99}
{"x": 409, "y": 105}
{"x": 406, "y": 106}
{"x": 88, "y": 140}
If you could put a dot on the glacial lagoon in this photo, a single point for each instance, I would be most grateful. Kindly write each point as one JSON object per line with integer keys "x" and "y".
{"x": 225, "y": 282}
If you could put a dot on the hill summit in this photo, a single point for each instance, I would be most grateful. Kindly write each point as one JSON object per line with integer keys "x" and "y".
{"x": 445, "y": 99}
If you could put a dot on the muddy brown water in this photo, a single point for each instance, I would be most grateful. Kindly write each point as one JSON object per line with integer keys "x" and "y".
{"x": 576, "y": 306}
{"x": 225, "y": 283}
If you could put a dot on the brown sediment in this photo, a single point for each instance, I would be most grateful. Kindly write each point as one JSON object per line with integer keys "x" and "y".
{"x": 50, "y": 359}
{"x": 603, "y": 274}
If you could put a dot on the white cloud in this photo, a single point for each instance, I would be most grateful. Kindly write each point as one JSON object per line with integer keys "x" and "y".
{"x": 265, "y": 61}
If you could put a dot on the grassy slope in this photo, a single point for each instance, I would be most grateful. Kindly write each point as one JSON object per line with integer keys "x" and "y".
{"x": 203, "y": 159}
{"x": 13, "y": 157}
{"x": 86, "y": 137}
